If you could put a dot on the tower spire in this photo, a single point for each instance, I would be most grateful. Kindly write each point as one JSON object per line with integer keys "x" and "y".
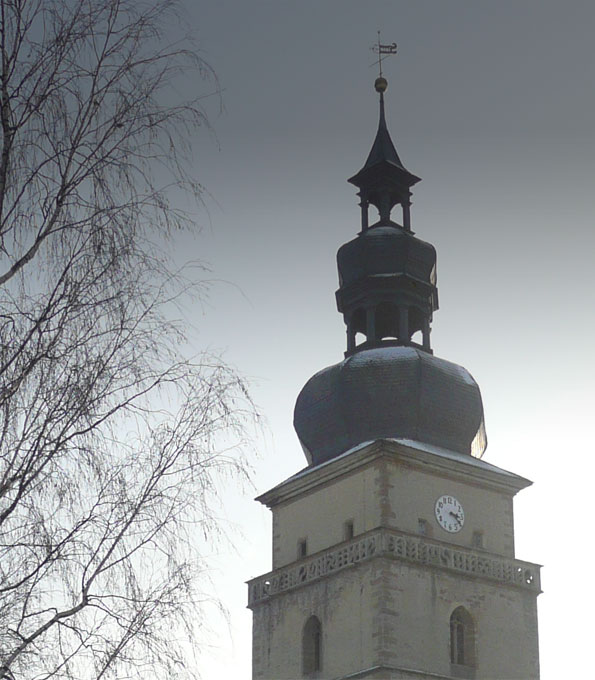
{"x": 384, "y": 181}
{"x": 387, "y": 276}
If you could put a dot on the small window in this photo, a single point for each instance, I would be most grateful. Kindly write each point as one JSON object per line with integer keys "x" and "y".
{"x": 312, "y": 646}
{"x": 462, "y": 641}
{"x": 477, "y": 539}
{"x": 302, "y": 548}
{"x": 348, "y": 532}
{"x": 423, "y": 527}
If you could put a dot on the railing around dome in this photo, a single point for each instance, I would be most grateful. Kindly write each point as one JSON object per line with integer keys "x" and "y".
{"x": 397, "y": 545}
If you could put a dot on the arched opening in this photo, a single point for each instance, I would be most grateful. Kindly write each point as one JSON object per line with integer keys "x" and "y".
{"x": 387, "y": 321}
{"x": 312, "y": 646}
{"x": 462, "y": 641}
{"x": 416, "y": 320}
{"x": 358, "y": 321}
{"x": 356, "y": 333}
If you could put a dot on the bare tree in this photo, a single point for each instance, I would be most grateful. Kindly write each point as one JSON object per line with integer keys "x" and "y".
{"x": 111, "y": 442}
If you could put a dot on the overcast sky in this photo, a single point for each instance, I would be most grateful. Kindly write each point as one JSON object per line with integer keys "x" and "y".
{"x": 492, "y": 104}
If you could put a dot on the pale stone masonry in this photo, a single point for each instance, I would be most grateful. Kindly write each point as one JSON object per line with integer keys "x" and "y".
{"x": 386, "y": 595}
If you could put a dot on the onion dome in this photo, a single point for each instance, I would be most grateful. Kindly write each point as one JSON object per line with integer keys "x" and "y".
{"x": 390, "y": 385}
{"x": 389, "y": 393}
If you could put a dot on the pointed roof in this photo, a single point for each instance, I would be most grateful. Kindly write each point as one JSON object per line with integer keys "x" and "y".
{"x": 383, "y": 148}
{"x": 383, "y": 163}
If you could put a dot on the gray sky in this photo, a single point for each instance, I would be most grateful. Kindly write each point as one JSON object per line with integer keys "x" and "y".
{"x": 492, "y": 104}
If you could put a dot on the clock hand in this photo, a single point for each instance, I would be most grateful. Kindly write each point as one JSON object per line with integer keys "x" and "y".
{"x": 455, "y": 515}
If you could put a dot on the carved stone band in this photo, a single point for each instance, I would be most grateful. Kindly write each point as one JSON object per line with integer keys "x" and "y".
{"x": 405, "y": 547}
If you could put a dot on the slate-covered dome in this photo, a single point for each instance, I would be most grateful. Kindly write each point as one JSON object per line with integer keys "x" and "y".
{"x": 384, "y": 250}
{"x": 389, "y": 393}
{"x": 387, "y": 269}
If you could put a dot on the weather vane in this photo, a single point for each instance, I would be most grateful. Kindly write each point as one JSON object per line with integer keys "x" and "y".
{"x": 383, "y": 51}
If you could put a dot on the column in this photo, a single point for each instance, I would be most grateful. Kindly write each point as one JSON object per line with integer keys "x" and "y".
{"x": 404, "y": 335}
{"x": 425, "y": 330}
{"x": 371, "y": 324}
{"x": 364, "y": 206}
{"x": 407, "y": 213}
{"x": 350, "y": 337}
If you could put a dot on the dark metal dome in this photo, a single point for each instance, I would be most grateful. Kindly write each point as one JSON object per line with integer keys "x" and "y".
{"x": 388, "y": 274}
{"x": 389, "y": 393}
{"x": 386, "y": 249}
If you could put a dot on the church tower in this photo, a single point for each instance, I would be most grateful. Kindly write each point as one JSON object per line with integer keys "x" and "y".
{"x": 393, "y": 550}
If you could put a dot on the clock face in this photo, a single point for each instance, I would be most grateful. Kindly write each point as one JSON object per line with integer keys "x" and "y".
{"x": 449, "y": 514}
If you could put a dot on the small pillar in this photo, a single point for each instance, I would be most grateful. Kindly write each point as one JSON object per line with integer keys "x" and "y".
{"x": 407, "y": 214}
{"x": 384, "y": 208}
{"x": 371, "y": 324}
{"x": 364, "y": 206}
{"x": 404, "y": 335}
{"x": 425, "y": 331}
{"x": 350, "y": 337}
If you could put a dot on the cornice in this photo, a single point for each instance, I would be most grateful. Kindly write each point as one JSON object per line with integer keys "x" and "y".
{"x": 415, "y": 455}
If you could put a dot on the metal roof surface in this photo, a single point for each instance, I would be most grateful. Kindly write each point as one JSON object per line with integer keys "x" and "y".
{"x": 389, "y": 393}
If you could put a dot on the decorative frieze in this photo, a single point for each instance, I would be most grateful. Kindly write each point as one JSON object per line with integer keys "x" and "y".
{"x": 401, "y": 546}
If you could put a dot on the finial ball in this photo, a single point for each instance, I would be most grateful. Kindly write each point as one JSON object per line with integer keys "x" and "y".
{"x": 380, "y": 84}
